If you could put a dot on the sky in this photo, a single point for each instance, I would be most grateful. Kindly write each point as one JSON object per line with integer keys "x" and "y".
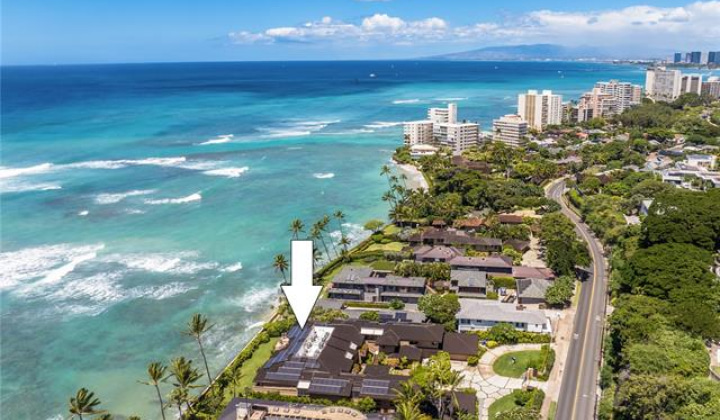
{"x": 112, "y": 31}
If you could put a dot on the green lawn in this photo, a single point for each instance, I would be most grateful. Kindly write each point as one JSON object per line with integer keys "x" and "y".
{"x": 391, "y": 230}
{"x": 250, "y": 367}
{"x": 383, "y": 265}
{"x": 553, "y": 410}
{"x": 504, "y": 365}
{"x": 503, "y": 404}
{"x": 390, "y": 247}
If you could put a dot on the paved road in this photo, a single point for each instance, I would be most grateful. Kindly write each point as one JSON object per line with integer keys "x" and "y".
{"x": 579, "y": 383}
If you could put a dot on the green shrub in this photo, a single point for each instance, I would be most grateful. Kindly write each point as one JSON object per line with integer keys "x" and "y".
{"x": 373, "y": 316}
{"x": 473, "y": 361}
{"x": 492, "y": 295}
{"x": 503, "y": 281}
{"x": 397, "y": 304}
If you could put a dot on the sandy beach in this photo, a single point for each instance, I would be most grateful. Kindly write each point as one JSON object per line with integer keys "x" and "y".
{"x": 415, "y": 180}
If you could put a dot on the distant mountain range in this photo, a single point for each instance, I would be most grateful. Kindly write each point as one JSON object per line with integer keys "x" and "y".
{"x": 533, "y": 52}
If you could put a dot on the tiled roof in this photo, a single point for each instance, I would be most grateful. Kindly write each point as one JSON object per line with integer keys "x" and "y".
{"x": 532, "y": 288}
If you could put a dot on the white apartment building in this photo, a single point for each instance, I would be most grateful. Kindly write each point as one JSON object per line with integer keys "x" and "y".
{"x": 662, "y": 84}
{"x": 540, "y": 109}
{"x": 626, "y": 94}
{"x": 510, "y": 129}
{"x": 596, "y": 104}
{"x": 443, "y": 115}
{"x": 418, "y": 132}
{"x": 442, "y": 128}
{"x": 691, "y": 83}
{"x": 457, "y": 136}
{"x": 711, "y": 87}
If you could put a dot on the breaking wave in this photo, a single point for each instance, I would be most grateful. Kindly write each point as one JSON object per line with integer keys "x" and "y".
{"x": 295, "y": 129}
{"x": 225, "y": 138}
{"x": 182, "y": 200}
{"x": 112, "y": 198}
{"x": 324, "y": 175}
{"x": 228, "y": 172}
{"x": 383, "y": 124}
{"x": 405, "y": 101}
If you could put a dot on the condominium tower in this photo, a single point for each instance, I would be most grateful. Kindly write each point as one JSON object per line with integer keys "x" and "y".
{"x": 662, "y": 84}
{"x": 510, "y": 129}
{"x": 691, "y": 83}
{"x": 442, "y": 128}
{"x": 540, "y": 109}
{"x": 626, "y": 94}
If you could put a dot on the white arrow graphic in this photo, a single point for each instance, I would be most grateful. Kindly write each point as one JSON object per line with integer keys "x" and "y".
{"x": 301, "y": 294}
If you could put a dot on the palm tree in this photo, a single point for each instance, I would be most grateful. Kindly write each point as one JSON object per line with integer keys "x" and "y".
{"x": 178, "y": 397}
{"x": 385, "y": 171}
{"x": 84, "y": 402}
{"x": 186, "y": 377}
{"x": 344, "y": 241}
{"x": 340, "y": 217}
{"x": 408, "y": 410}
{"x": 156, "y": 373}
{"x": 281, "y": 265}
{"x": 324, "y": 222}
{"x": 105, "y": 417}
{"x": 453, "y": 383}
{"x": 297, "y": 226}
{"x": 236, "y": 380}
{"x": 198, "y": 326}
{"x": 316, "y": 232}
{"x": 407, "y": 392}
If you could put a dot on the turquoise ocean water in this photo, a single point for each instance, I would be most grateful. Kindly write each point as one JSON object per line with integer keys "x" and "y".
{"x": 133, "y": 196}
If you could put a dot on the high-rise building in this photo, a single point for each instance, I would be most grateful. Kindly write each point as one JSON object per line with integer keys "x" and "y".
{"x": 695, "y": 57}
{"x": 442, "y": 128}
{"x": 691, "y": 83}
{"x": 510, "y": 129}
{"x": 443, "y": 115}
{"x": 677, "y": 58}
{"x": 457, "y": 136}
{"x": 596, "y": 104}
{"x": 711, "y": 87}
{"x": 714, "y": 57}
{"x": 626, "y": 94}
{"x": 662, "y": 84}
{"x": 418, "y": 132}
{"x": 540, "y": 109}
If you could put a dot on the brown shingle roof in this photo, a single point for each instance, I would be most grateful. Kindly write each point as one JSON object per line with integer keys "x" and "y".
{"x": 459, "y": 343}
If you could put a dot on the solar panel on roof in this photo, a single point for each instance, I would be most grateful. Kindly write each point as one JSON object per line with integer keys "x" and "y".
{"x": 329, "y": 381}
{"x": 371, "y": 390}
{"x": 375, "y": 382}
{"x": 280, "y": 376}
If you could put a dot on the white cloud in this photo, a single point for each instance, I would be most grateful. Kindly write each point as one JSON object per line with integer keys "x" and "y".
{"x": 696, "y": 24}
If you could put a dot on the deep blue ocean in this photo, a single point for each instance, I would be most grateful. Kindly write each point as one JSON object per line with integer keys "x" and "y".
{"x": 133, "y": 196}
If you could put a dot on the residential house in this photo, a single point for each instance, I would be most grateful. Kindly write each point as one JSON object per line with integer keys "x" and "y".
{"x": 493, "y": 264}
{"x": 454, "y": 237}
{"x": 469, "y": 283}
{"x": 480, "y": 315}
{"x": 524, "y": 272}
{"x": 531, "y": 291}
{"x": 327, "y": 361}
{"x": 510, "y": 219}
{"x": 366, "y": 284}
{"x": 460, "y": 346}
{"x": 440, "y": 253}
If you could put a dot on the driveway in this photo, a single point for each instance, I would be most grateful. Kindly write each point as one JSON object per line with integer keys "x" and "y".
{"x": 490, "y": 386}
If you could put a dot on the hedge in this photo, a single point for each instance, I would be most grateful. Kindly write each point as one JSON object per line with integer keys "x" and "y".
{"x": 369, "y": 305}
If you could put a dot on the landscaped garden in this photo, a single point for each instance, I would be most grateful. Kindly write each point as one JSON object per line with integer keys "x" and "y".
{"x": 517, "y": 405}
{"x": 514, "y": 364}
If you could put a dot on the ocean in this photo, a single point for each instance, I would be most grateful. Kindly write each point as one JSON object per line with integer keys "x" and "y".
{"x": 133, "y": 196}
